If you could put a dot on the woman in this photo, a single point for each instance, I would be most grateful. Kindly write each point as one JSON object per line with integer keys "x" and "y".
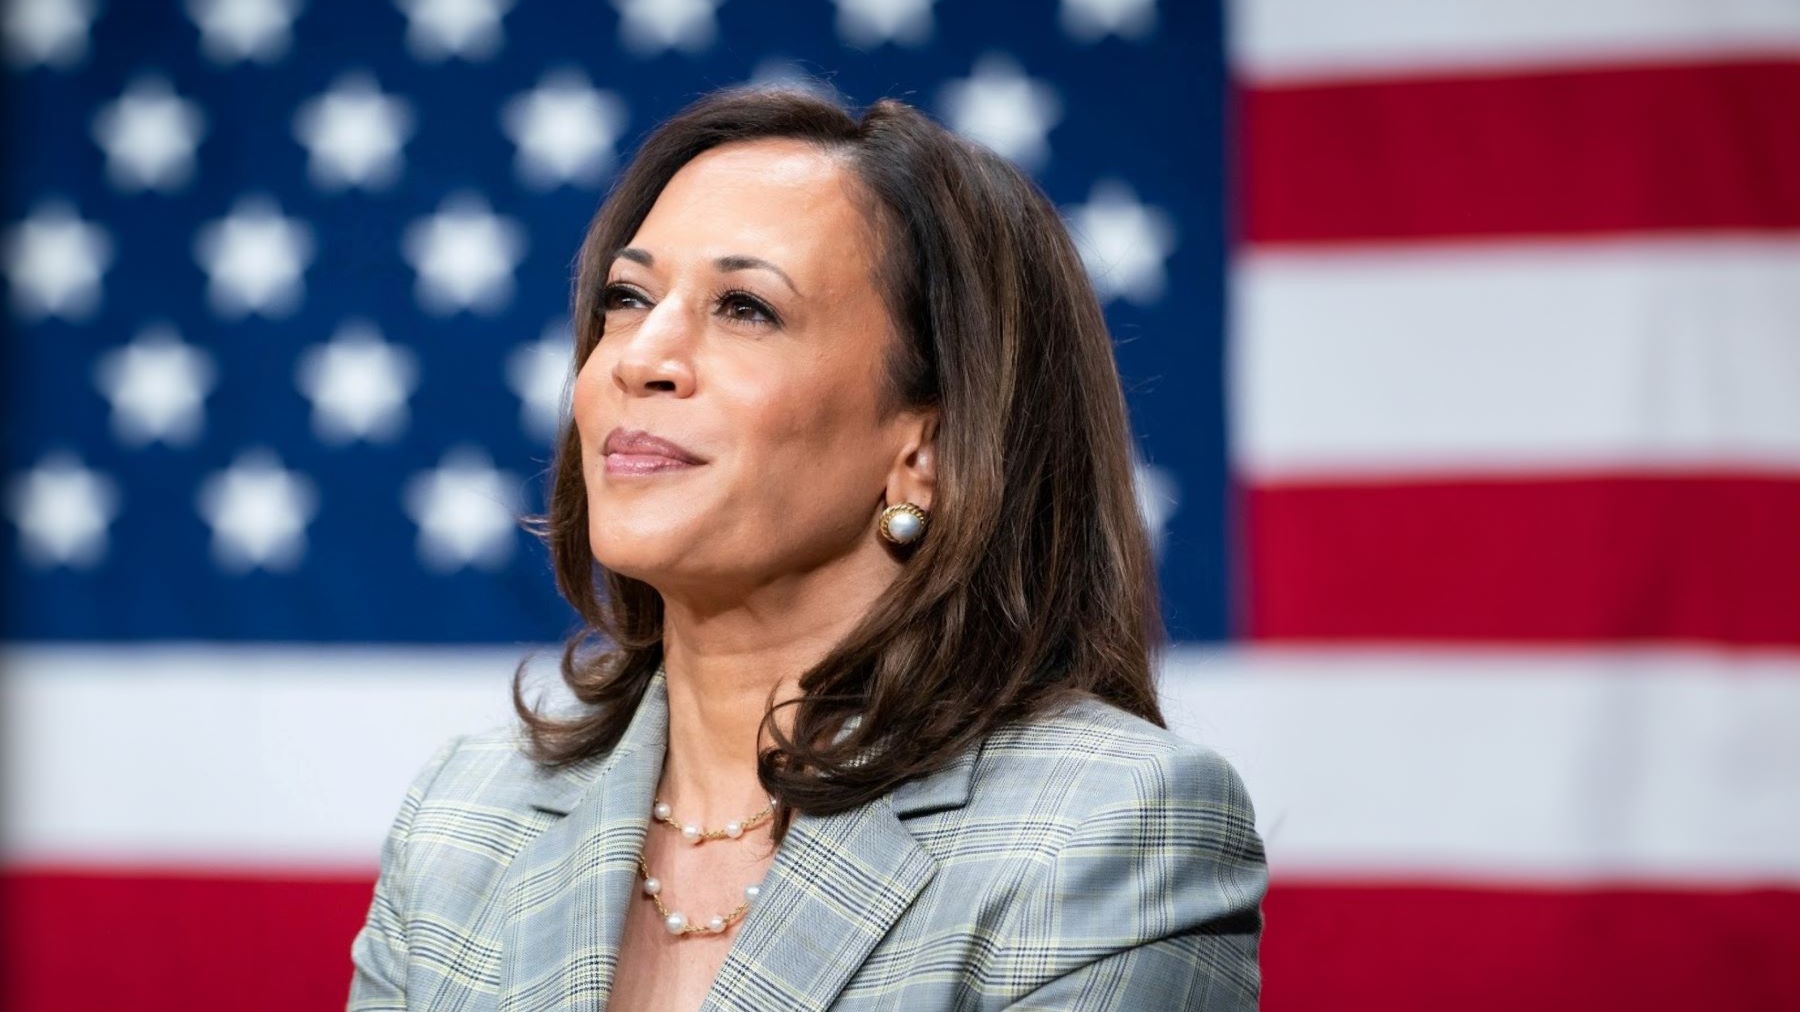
{"x": 867, "y": 712}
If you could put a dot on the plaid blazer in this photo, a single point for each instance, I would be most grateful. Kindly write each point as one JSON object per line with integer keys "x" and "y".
{"x": 1085, "y": 861}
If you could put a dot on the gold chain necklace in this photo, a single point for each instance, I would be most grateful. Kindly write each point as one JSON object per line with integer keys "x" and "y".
{"x": 674, "y": 920}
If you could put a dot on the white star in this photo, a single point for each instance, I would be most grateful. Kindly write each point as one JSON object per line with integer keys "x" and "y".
{"x": 358, "y": 384}
{"x": 62, "y": 510}
{"x": 782, "y": 72}
{"x": 1093, "y": 20}
{"x": 1158, "y": 498}
{"x": 869, "y": 23}
{"x": 564, "y": 129}
{"x": 464, "y": 256}
{"x": 539, "y": 373}
{"x": 439, "y": 29}
{"x": 467, "y": 511}
{"x": 149, "y": 134}
{"x": 233, "y": 30}
{"x": 54, "y": 261}
{"x": 1123, "y": 243}
{"x": 157, "y": 385}
{"x": 353, "y": 134}
{"x": 258, "y": 512}
{"x": 51, "y": 33}
{"x": 999, "y": 106}
{"x": 254, "y": 258}
{"x": 648, "y": 27}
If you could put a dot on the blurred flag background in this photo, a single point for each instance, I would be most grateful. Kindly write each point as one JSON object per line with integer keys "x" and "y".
{"x": 1463, "y": 349}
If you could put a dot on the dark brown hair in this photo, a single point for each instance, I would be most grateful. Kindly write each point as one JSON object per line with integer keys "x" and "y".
{"x": 1035, "y": 583}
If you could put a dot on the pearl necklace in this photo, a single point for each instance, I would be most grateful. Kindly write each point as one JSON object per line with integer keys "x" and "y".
{"x": 674, "y": 920}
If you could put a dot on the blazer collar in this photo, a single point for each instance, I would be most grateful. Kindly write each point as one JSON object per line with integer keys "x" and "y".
{"x": 566, "y": 893}
{"x": 837, "y": 884}
{"x": 643, "y": 744}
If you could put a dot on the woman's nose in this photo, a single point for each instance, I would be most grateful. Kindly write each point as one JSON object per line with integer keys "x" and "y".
{"x": 657, "y": 354}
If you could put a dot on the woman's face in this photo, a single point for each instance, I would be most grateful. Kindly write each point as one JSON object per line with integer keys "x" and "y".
{"x": 743, "y": 323}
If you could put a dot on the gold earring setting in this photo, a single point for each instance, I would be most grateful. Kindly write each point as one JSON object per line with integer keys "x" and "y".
{"x": 903, "y": 523}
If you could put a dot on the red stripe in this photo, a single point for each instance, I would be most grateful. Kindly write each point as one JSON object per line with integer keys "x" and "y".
{"x": 1401, "y": 949}
{"x": 1700, "y": 146}
{"x": 74, "y": 940}
{"x": 168, "y": 943}
{"x": 1557, "y": 560}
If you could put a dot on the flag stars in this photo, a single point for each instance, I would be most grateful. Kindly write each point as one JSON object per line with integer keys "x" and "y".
{"x": 1093, "y": 20}
{"x": 258, "y": 512}
{"x": 437, "y": 30}
{"x": 999, "y": 106}
{"x": 358, "y": 385}
{"x": 1158, "y": 497}
{"x": 157, "y": 386}
{"x": 63, "y": 510}
{"x": 353, "y": 134}
{"x": 539, "y": 373}
{"x": 234, "y": 30}
{"x": 49, "y": 33}
{"x": 54, "y": 261}
{"x": 649, "y": 27}
{"x": 870, "y": 23}
{"x": 254, "y": 258}
{"x": 466, "y": 510}
{"x": 1123, "y": 243}
{"x": 564, "y": 129}
{"x": 464, "y": 256}
{"x": 149, "y": 134}
{"x": 784, "y": 72}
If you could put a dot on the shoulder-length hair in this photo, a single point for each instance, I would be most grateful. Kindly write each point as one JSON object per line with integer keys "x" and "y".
{"x": 1034, "y": 584}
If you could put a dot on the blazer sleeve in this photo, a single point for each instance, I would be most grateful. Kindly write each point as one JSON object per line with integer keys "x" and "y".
{"x": 1154, "y": 902}
{"x": 378, "y": 953}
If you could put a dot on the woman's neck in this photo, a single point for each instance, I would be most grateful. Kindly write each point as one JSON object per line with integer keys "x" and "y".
{"x": 721, "y": 668}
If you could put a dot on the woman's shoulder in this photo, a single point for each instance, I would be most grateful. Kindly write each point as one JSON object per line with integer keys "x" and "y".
{"x": 491, "y": 769}
{"x": 1088, "y": 729}
{"x": 1087, "y": 723}
{"x": 1091, "y": 832}
{"x": 1091, "y": 758}
{"x": 474, "y": 805}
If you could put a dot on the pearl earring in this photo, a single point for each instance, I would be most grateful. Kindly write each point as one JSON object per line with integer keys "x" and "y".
{"x": 902, "y": 523}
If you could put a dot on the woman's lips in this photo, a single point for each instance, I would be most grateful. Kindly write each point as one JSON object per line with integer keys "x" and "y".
{"x": 644, "y": 463}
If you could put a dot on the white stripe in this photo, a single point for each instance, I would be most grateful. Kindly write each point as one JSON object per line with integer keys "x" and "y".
{"x": 1568, "y": 766}
{"x": 1657, "y": 354}
{"x": 1290, "y": 40}
{"x": 227, "y": 755}
{"x": 1667, "y": 765}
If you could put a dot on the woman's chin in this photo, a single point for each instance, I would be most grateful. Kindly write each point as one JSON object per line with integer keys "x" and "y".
{"x": 636, "y": 560}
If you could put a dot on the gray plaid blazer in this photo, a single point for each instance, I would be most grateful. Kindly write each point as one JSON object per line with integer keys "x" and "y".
{"x": 1085, "y": 861}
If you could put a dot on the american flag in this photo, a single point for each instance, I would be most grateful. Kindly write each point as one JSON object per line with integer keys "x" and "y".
{"x": 1462, "y": 342}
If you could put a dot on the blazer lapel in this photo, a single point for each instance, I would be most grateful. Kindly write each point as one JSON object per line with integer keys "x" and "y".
{"x": 568, "y": 892}
{"x": 837, "y": 885}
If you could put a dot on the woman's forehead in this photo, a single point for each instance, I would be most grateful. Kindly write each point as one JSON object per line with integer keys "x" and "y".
{"x": 778, "y": 161}
{"x": 765, "y": 198}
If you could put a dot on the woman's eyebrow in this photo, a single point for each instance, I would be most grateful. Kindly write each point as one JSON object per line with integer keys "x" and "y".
{"x": 726, "y": 264}
{"x": 740, "y": 262}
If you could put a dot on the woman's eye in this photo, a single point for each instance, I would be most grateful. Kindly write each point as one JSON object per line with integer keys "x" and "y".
{"x": 622, "y": 297}
{"x": 746, "y": 309}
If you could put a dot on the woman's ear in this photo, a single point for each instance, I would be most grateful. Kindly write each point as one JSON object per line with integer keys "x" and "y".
{"x": 913, "y": 478}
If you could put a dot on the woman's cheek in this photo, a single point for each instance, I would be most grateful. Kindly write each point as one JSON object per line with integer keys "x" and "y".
{"x": 581, "y": 400}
